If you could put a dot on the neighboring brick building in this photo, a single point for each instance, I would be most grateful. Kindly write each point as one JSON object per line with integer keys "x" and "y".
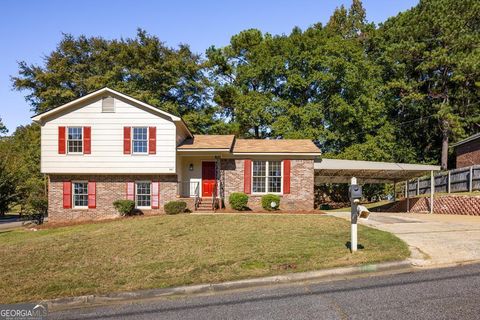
{"x": 468, "y": 151}
{"x": 108, "y": 146}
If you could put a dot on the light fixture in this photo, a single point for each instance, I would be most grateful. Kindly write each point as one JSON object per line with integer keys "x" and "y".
{"x": 190, "y": 167}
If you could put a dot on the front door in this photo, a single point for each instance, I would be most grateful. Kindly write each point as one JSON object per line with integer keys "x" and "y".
{"x": 208, "y": 178}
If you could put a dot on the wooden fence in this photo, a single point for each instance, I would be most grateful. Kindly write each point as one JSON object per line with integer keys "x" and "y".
{"x": 457, "y": 180}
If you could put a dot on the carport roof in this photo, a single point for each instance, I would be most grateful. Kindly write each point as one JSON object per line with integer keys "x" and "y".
{"x": 341, "y": 171}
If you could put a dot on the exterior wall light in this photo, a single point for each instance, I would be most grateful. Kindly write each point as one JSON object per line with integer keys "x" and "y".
{"x": 190, "y": 167}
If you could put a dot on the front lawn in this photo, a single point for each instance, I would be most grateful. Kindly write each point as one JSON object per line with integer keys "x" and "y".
{"x": 164, "y": 251}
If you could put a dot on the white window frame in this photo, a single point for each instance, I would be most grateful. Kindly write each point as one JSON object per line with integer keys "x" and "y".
{"x": 81, "y": 140}
{"x": 73, "y": 195}
{"x": 136, "y": 194}
{"x": 132, "y": 142}
{"x": 267, "y": 164}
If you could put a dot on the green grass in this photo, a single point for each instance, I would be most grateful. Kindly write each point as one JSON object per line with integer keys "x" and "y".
{"x": 165, "y": 251}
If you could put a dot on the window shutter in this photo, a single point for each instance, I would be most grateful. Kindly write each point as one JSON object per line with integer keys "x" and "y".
{"x": 286, "y": 176}
{"x": 152, "y": 140}
{"x": 92, "y": 194}
{"x": 247, "y": 176}
{"x": 131, "y": 191}
{"x": 61, "y": 140}
{"x": 67, "y": 194}
{"x": 126, "y": 140}
{"x": 87, "y": 140}
{"x": 155, "y": 194}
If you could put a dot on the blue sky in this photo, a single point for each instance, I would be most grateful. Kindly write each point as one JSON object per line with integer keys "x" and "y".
{"x": 31, "y": 29}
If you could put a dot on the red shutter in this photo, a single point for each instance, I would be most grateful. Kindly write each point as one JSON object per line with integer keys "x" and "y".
{"x": 61, "y": 140}
{"x": 87, "y": 140}
{"x": 92, "y": 195}
{"x": 126, "y": 140}
{"x": 247, "y": 177}
{"x": 155, "y": 194}
{"x": 131, "y": 191}
{"x": 152, "y": 140}
{"x": 67, "y": 194}
{"x": 286, "y": 176}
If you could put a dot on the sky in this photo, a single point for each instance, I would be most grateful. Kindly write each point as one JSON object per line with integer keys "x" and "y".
{"x": 31, "y": 29}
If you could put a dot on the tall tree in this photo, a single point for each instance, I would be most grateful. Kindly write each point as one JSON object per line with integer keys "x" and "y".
{"x": 143, "y": 67}
{"x": 430, "y": 54}
{"x": 3, "y": 129}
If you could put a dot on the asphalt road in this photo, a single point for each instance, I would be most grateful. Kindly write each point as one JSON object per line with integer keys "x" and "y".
{"x": 450, "y": 293}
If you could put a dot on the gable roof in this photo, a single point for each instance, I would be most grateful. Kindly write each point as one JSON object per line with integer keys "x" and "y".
{"x": 257, "y": 146}
{"x": 204, "y": 142}
{"x": 39, "y": 117}
{"x": 471, "y": 138}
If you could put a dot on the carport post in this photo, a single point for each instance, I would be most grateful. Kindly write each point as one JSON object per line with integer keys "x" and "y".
{"x": 432, "y": 190}
{"x": 407, "y": 187}
{"x": 394, "y": 191}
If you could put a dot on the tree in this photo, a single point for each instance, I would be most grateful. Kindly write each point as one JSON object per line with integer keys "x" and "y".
{"x": 143, "y": 67}
{"x": 7, "y": 187}
{"x": 430, "y": 57}
{"x": 3, "y": 129}
{"x": 20, "y": 156}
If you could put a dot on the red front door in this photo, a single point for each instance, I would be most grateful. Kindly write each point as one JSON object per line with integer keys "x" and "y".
{"x": 208, "y": 178}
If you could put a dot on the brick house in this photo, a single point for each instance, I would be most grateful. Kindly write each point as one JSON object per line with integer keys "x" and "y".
{"x": 467, "y": 151}
{"x": 107, "y": 146}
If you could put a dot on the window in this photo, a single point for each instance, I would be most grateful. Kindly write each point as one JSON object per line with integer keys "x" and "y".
{"x": 267, "y": 176}
{"x": 80, "y": 194}
{"x": 140, "y": 140}
{"x": 75, "y": 140}
{"x": 143, "y": 195}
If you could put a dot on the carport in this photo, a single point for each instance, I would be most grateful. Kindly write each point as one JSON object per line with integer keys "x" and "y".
{"x": 342, "y": 171}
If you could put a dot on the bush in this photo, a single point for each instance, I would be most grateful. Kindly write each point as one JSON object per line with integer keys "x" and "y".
{"x": 124, "y": 207}
{"x": 38, "y": 205}
{"x": 174, "y": 207}
{"x": 238, "y": 200}
{"x": 268, "y": 200}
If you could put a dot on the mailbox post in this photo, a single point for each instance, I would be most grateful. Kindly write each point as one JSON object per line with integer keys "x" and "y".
{"x": 355, "y": 194}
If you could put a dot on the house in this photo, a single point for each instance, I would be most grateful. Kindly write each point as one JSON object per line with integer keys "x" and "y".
{"x": 108, "y": 146}
{"x": 467, "y": 151}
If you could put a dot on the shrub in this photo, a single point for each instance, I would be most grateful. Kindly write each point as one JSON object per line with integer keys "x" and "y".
{"x": 174, "y": 207}
{"x": 124, "y": 207}
{"x": 238, "y": 200}
{"x": 268, "y": 200}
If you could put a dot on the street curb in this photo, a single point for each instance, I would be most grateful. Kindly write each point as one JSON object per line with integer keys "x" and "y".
{"x": 63, "y": 303}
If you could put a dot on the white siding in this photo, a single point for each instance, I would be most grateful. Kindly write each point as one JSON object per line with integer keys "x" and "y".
{"x": 107, "y": 141}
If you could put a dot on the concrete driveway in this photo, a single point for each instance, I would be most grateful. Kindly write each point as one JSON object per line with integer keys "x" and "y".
{"x": 434, "y": 239}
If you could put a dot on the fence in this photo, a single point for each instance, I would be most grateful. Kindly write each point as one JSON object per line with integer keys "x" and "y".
{"x": 457, "y": 180}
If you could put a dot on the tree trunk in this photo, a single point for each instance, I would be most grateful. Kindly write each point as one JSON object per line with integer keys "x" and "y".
{"x": 444, "y": 145}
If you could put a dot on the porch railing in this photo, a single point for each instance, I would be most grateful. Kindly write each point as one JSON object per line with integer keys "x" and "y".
{"x": 193, "y": 188}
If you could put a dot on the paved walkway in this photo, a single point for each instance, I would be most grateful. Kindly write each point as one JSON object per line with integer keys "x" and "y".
{"x": 434, "y": 239}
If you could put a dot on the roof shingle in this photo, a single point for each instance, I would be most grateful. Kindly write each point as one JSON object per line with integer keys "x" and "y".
{"x": 275, "y": 146}
{"x": 208, "y": 142}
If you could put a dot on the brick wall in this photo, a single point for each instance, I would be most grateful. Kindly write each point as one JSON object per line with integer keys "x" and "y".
{"x": 108, "y": 189}
{"x": 301, "y": 195}
{"x": 468, "y": 154}
{"x": 464, "y": 205}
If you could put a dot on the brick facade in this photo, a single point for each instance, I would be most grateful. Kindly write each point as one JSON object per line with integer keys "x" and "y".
{"x": 113, "y": 187}
{"x": 468, "y": 153}
{"x": 301, "y": 195}
{"x": 463, "y": 205}
{"x": 108, "y": 189}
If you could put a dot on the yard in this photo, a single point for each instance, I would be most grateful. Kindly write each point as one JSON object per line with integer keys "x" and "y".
{"x": 164, "y": 251}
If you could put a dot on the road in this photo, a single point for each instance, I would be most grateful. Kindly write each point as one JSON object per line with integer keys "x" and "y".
{"x": 450, "y": 293}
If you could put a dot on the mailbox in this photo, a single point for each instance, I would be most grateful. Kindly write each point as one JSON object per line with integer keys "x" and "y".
{"x": 355, "y": 191}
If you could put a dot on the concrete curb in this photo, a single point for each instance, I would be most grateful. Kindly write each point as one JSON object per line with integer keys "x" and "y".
{"x": 63, "y": 303}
